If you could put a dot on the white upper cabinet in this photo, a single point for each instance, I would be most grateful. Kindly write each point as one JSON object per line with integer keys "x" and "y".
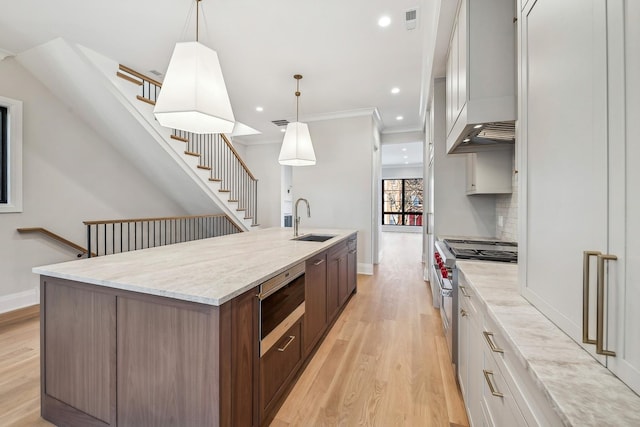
{"x": 490, "y": 172}
{"x": 481, "y": 68}
{"x": 578, "y": 205}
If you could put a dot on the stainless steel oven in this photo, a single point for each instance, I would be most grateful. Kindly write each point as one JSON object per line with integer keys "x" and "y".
{"x": 281, "y": 305}
{"x": 443, "y": 272}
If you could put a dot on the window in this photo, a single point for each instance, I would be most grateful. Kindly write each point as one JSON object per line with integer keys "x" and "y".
{"x": 10, "y": 155}
{"x": 402, "y": 201}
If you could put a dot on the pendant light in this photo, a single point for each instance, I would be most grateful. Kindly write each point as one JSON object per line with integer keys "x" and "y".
{"x": 297, "y": 149}
{"x": 194, "y": 97}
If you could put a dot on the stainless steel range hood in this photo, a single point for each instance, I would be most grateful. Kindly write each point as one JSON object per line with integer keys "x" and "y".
{"x": 481, "y": 77}
{"x": 486, "y": 137}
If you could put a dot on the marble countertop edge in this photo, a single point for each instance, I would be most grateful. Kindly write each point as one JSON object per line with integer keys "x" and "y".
{"x": 172, "y": 271}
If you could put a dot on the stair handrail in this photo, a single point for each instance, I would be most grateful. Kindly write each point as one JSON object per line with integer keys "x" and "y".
{"x": 235, "y": 153}
{"x": 246, "y": 196}
{"x": 55, "y": 237}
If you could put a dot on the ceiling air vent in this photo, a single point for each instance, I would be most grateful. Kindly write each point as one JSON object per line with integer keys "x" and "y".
{"x": 411, "y": 18}
{"x": 282, "y": 122}
{"x": 155, "y": 73}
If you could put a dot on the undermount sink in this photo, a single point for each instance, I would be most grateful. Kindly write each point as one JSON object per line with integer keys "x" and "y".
{"x": 315, "y": 237}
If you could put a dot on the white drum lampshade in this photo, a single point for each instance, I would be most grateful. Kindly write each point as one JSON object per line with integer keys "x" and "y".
{"x": 194, "y": 97}
{"x": 297, "y": 149}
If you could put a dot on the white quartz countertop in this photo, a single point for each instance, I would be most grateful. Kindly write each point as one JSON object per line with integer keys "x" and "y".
{"x": 582, "y": 392}
{"x": 209, "y": 271}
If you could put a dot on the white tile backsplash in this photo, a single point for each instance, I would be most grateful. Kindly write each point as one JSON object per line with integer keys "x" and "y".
{"x": 507, "y": 208}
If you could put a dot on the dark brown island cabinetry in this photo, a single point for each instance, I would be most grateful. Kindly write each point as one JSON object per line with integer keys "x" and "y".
{"x": 112, "y": 357}
{"x": 118, "y": 358}
{"x": 315, "y": 315}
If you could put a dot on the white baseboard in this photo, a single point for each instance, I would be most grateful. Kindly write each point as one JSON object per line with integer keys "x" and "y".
{"x": 402, "y": 228}
{"x": 19, "y": 300}
{"x": 364, "y": 268}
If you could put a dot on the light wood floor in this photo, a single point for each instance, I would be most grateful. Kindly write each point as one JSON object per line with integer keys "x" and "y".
{"x": 384, "y": 363}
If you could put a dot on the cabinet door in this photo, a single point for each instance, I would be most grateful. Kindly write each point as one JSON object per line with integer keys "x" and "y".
{"x": 315, "y": 288}
{"x": 623, "y": 283}
{"x": 343, "y": 276}
{"x": 333, "y": 269}
{"x": 463, "y": 348}
{"x": 564, "y": 137}
{"x": 352, "y": 270}
{"x": 461, "y": 36}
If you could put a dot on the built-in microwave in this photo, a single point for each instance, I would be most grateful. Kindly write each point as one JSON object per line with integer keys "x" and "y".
{"x": 281, "y": 304}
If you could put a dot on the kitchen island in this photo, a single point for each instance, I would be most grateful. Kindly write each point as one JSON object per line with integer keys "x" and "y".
{"x": 170, "y": 336}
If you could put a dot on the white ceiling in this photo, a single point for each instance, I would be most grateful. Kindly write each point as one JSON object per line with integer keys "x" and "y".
{"x": 348, "y": 62}
{"x": 402, "y": 154}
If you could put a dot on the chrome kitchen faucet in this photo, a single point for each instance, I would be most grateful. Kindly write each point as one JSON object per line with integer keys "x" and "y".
{"x": 297, "y": 218}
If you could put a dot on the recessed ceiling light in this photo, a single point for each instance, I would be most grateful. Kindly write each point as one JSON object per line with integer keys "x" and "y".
{"x": 399, "y": 118}
{"x": 283, "y": 130}
{"x": 406, "y": 157}
{"x": 404, "y": 149}
{"x": 395, "y": 90}
{"x": 466, "y": 140}
{"x": 477, "y": 126}
{"x": 259, "y": 109}
{"x": 384, "y": 21}
{"x": 406, "y": 163}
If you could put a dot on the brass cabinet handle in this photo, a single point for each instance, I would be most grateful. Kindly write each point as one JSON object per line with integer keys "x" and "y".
{"x": 318, "y": 262}
{"x": 291, "y": 338}
{"x": 585, "y": 295}
{"x": 492, "y": 388}
{"x": 492, "y": 345}
{"x": 463, "y": 289}
{"x": 463, "y": 312}
{"x": 600, "y": 306}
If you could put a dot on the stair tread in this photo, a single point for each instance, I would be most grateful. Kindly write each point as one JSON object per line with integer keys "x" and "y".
{"x": 191, "y": 153}
{"x": 224, "y": 191}
{"x": 215, "y": 179}
{"x": 147, "y": 100}
{"x": 208, "y": 168}
{"x": 129, "y": 78}
{"x": 179, "y": 138}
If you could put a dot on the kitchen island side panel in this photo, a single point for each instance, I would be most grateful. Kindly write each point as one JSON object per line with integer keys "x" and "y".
{"x": 163, "y": 361}
{"x": 78, "y": 354}
{"x": 167, "y": 364}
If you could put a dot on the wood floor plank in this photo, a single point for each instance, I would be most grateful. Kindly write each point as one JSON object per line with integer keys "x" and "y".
{"x": 387, "y": 367}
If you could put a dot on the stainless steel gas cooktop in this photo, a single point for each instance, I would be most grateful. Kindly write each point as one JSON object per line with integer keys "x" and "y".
{"x": 488, "y": 250}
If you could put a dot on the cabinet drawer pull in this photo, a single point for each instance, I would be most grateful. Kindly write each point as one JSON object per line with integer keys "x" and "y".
{"x": 488, "y": 337}
{"x": 464, "y": 291}
{"x": 291, "y": 338}
{"x": 318, "y": 262}
{"x": 463, "y": 312}
{"x": 585, "y": 296}
{"x": 492, "y": 388}
{"x": 353, "y": 251}
{"x": 600, "y": 306}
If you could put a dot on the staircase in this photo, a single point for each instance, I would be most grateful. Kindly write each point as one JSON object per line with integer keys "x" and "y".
{"x": 195, "y": 170}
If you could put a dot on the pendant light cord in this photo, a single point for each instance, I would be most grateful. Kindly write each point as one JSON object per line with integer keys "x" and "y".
{"x": 197, "y": 19}
{"x": 297, "y": 77}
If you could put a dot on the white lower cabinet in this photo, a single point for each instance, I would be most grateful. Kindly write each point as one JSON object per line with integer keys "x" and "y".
{"x": 497, "y": 390}
{"x": 497, "y": 398}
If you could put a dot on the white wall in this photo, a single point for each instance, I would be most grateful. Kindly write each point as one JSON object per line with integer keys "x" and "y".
{"x": 454, "y": 212}
{"x": 398, "y": 172}
{"x": 70, "y": 174}
{"x": 339, "y": 186}
{"x": 262, "y": 160}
